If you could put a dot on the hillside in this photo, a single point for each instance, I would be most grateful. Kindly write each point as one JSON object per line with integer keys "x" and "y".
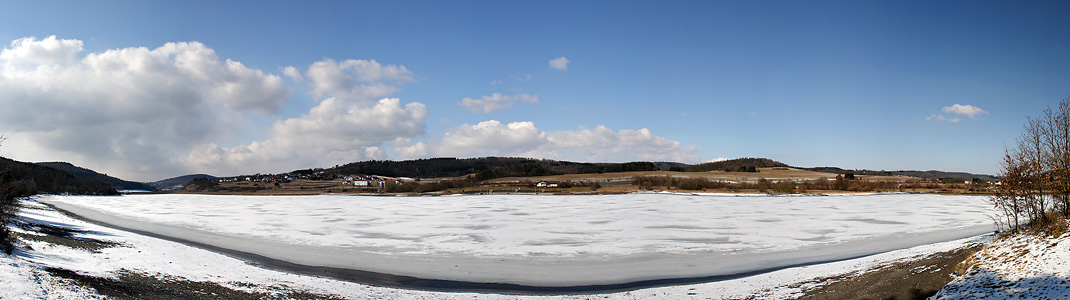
{"x": 178, "y": 182}
{"x": 484, "y": 167}
{"x": 54, "y": 181}
{"x": 83, "y": 174}
{"x": 931, "y": 174}
{"x": 735, "y": 164}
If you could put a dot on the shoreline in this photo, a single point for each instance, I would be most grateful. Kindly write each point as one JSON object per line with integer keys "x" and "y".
{"x": 412, "y": 282}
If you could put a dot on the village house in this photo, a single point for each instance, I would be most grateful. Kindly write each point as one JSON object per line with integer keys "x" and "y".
{"x": 551, "y": 184}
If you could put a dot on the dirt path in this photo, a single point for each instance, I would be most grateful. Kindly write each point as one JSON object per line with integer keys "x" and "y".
{"x": 918, "y": 279}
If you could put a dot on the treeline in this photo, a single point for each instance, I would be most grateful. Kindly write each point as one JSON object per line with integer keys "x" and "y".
{"x": 735, "y": 165}
{"x": 211, "y": 185}
{"x": 762, "y": 185}
{"x": 49, "y": 180}
{"x": 485, "y": 168}
{"x": 418, "y": 187}
{"x": 460, "y": 184}
{"x": 1035, "y": 190}
{"x": 19, "y": 179}
{"x": 931, "y": 174}
{"x": 10, "y": 189}
{"x": 83, "y": 174}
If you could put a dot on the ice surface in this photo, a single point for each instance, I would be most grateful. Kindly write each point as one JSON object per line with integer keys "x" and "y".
{"x": 24, "y": 274}
{"x": 549, "y": 240}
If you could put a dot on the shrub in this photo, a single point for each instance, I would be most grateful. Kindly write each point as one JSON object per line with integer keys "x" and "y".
{"x": 10, "y": 189}
{"x": 784, "y": 187}
{"x": 763, "y": 185}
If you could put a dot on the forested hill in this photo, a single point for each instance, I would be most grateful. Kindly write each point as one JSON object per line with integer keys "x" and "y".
{"x": 43, "y": 179}
{"x": 735, "y": 164}
{"x": 484, "y": 168}
{"x": 83, "y": 174}
{"x": 497, "y": 167}
{"x": 931, "y": 174}
{"x": 178, "y": 182}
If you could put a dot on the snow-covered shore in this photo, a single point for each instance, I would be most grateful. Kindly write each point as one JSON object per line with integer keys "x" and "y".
{"x": 1015, "y": 267}
{"x": 26, "y": 277}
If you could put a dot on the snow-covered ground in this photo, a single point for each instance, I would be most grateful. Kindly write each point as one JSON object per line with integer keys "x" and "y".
{"x": 549, "y": 240}
{"x": 23, "y": 275}
{"x": 1016, "y": 267}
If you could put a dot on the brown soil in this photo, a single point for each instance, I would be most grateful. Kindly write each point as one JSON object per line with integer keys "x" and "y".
{"x": 132, "y": 285}
{"x": 918, "y": 279}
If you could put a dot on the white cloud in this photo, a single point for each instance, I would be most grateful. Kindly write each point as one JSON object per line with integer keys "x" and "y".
{"x": 293, "y": 73}
{"x": 604, "y": 144}
{"x": 495, "y": 82}
{"x": 495, "y": 102}
{"x": 719, "y": 159}
{"x": 126, "y": 111}
{"x": 335, "y": 131}
{"x": 145, "y": 114}
{"x": 560, "y": 63}
{"x": 492, "y": 138}
{"x": 347, "y": 125}
{"x": 29, "y": 51}
{"x": 360, "y": 80}
{"x": 964, "y": 110}
{"x": 941, "y": 118}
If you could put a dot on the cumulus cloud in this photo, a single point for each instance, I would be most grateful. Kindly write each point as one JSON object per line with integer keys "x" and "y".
{"x": 29, "y": 51}
{"x": 492, "y": 138}
{"x": 495, "y": 102}
{"x": 293, "y": 73}
{"x": 347, "y": 125}
{"x": 560, "y": 63}
{"x": 964, "y": 110}
{"x": 969, "y": 111}
{"x": 149, "y": 113}
{"x": 359, "y": 80}
{"x": 129, "y": 110}
{"x": 335, "y": 131}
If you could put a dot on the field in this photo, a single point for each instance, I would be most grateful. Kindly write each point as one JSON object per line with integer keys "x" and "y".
{"x": 620, "y": 182}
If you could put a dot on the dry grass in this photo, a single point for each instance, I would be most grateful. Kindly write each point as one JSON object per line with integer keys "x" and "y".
{"x": 767, "y": 173}
{"x": 774, "y": 174}
{"x": 611, "y": 183}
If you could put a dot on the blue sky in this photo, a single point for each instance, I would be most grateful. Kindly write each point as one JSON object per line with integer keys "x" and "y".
{"x": 855, "y": 84}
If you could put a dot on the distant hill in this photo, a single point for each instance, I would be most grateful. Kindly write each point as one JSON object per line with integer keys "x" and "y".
{"x": 50, "y": 180}
{"x": 735, "y": 164}
{"x": 485, "y": 168}
{"x": 671, "y": 166}
{"x": 83, "y": 174}
{"x": 931, "y": 174}
{"x": 482, "y": 168}
{"x": 179, "y": 182}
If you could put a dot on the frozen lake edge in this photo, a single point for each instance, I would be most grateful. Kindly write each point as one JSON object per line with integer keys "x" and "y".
{"x": 514, "y": 275}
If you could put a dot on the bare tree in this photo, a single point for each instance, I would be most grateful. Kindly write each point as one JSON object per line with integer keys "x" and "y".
{"x": 1035, "y": 181}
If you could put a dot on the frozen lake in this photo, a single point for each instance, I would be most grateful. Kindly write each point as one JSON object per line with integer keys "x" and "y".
{"x": 548, "y": 240}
